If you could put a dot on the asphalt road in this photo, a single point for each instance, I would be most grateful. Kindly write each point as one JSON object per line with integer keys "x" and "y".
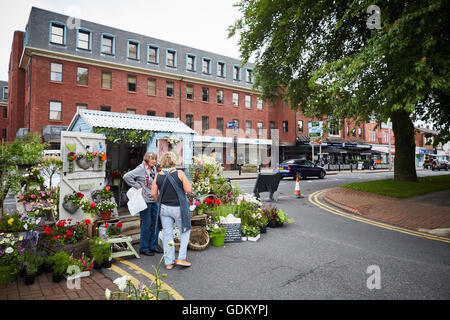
{"x": 319, "y": 256}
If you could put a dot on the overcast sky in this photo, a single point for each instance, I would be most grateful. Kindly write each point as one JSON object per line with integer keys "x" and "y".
{"x": 200, "y": 24}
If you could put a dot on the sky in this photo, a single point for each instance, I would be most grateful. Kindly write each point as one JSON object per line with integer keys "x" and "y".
{"x": 200, "y": 24}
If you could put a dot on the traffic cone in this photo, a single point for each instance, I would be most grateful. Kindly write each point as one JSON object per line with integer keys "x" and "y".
{"x": 297, "y": 191}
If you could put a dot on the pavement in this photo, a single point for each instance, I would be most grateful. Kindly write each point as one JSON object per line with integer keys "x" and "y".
{"x": 428, "y": 213}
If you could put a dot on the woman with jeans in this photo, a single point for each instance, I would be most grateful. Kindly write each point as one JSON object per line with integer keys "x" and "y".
{"x": 170, "y": 187}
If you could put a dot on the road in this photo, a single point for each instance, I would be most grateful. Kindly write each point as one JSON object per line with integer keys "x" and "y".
{"x": 319, "y": 256}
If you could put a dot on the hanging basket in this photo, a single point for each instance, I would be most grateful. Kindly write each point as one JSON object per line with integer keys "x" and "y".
{"x": 70, "y": 207}
{"x": 84, "y": 163}
{"x": 199, "y": 239}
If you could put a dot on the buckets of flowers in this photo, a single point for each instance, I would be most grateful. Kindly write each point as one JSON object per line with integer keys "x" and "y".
{"x": 105, "y": 208}
{"x": 217, "y": 235}
{"x": 72, "y": 202}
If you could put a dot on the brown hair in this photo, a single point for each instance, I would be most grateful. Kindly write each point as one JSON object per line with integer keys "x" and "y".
{"x": 168, "y": 160}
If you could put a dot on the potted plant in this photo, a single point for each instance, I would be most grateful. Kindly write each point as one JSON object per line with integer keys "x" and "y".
{"x": 11, "y": 256}
{"x": 30, "y": 274}
{"x": 101, "y": 252}
{"x": 115, "y": 175}
{"x": 105, "y": 208}
{"x": 86, "y": 160}
{"x": 48, "y": 263}
{"x": 101, "y": 158}
{"x": 72, "y": 202}
{"x": 282, "y": 218}
{"x": 113, "y": 229}
{"x": 89, "y": 207}
{"x": 103, "y": 194}
{"x": 217, "y": 235}
{"x": 61, "y": 261}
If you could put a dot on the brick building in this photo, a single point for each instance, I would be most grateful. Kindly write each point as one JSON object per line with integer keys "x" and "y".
{"x": 58, "y": 66}
{"x": 3, "y": 109}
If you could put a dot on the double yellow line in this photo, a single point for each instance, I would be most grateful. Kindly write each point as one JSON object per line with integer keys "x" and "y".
{"x": 314, "y": 199}
{"x": 148, "y": 275}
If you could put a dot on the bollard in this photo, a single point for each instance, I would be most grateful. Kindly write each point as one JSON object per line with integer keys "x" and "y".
{"x": 240, "y": 168}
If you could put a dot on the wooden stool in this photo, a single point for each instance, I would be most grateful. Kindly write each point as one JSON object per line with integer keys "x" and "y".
{"x": 127, "y": 241}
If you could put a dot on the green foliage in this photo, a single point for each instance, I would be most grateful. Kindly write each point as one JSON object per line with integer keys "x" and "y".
{"x": 282, "y": 217}
{"x": 100, "y": 250}
{"x": 61, "y": 260}
{"x": 134, "y": 138}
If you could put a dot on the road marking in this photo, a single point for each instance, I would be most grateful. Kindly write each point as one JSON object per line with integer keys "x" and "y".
{"x": 151, "y": 277}
{"x": 313, "y": 198}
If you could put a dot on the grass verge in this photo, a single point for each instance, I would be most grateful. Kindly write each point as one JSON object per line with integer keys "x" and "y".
{"x": 400, "y": 189}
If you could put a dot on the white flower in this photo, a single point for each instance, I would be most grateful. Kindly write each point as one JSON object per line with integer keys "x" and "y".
{"x": 38, "y": 220}
{"x": 121, "y": 282}
{"x": 25, "y": 226}
{"x": 9, "y": 250}
{"x": 171, "y": 243}
{"x": 107, "y": 294}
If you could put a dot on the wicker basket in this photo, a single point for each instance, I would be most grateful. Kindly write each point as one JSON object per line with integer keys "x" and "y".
{"x": 199, "y": 238}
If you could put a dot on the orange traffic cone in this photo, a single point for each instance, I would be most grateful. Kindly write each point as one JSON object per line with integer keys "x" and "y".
{"x": 297, "y": 191}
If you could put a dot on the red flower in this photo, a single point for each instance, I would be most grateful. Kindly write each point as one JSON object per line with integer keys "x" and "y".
{"x": 106, "y": 225}
{"x": 92, "y": 205}
{"x": 79, "y": 194}
{"x": 87, "y": 221}
{"x": 108, "y": 188}
{"x": 69, "y": 233}
{"x": 119, "y": 224}
{"x": 55, "y": 238}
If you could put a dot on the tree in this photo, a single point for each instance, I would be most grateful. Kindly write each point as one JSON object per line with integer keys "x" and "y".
{"x": 22, "y": 152}
{"x": 322, "y": 57}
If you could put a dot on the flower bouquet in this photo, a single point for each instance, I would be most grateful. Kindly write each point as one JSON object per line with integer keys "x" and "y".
{"x": 102, "y": 158}
{"x": 105, "y": 207}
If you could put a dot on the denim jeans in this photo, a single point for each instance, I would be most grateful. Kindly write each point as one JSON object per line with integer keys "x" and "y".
{"x": 169, "y": 216}
{"x": 149, "y": 223}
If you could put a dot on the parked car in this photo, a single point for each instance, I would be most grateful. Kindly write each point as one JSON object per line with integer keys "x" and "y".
{"x": 440, "y": 164}
{"x": 301, "y": 168}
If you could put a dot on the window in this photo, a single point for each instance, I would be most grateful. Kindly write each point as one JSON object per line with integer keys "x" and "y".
{"x": 133, "y": 50}
{"x": 56, "y": 72}
{"x": 333, "y": 128}
{"x": 5, "y": 93}
{"x": 220, "y": 96}
{"x": 235, "y": 99}
{"x": 348, "y": 130}
{"x": 300, "y": 125}
{"x": 259, "y": 125}
{"x": 171, "y": 58}
{"x": 169, "y": 115}
{"x": 236, "y": 126}
{"x": 248, "y": 126}
{"x": 151, "y": 113}
{"x": 151, "y": 87}
{"x": 107, "y": 44}
{"x": 220, "y": 125}
{"x": 106, "y": 79}
{"x": 57, "y": 33}
{"x": 190, "y": 62}
{"x": 359, "y": 132}
{"x": 81, "y": 106}
{"x": 205, "y": 94}
{"x": 221, "y": 71}
{"x": 206, "y": 66}
{"x": 82, "y": 76}
{"x": 249, "y": 75}
{"x": 190, "y": 121}
{"x": 84, "y": 39}
{"x": 205, "y": 123}
{"x": 132, "y": 80}
{"x": 190, "y": 92}
{"x": 153, "y": 54}
{"x": 5, "y": 112}
{"x": 271, "y": 127}
{"x": 131, "y": 111}
{"x": 285, "y": 126}
{"x": 105, "y": 108}
{"x": 4, "y": 133}
{"x": 236, "y": 73}
{"x": 55, "y": 110}
{"x": 248, "y": 101}
{"x": 169, "y": 88}
{"x": 259, "y": 104}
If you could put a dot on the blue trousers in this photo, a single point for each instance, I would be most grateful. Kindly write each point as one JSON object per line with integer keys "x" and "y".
{"x": 149, "y": 223}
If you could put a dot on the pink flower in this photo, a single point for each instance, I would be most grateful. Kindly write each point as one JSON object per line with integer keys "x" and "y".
{"x": 33, "y": 196}
{"x": 20, "y": 197}
{"x": 197, "y": 202}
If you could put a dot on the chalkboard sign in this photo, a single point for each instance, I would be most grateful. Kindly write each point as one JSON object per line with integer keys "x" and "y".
{"x": 267, "y": 182}
{"x": 233, "y": 232}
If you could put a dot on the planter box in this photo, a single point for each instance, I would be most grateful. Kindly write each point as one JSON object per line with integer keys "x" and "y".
{"x": 78, "y": 275}
{"x": 76, "y": 249}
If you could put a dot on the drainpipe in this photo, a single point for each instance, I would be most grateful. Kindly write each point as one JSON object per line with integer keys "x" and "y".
{"x": 29, "y": 93}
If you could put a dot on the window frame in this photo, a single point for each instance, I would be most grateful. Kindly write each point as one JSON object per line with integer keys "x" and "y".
{"x": 249, "y": 104}
{"x": 239, "y": 69}
{"x": 138, "y": 49}
{"x": 175, "y": 61}
{"x": 50, "y": 33}
{"x": 153, "y": 46}
{"x": 113, "y": 43}
{"x": 209, "y": 60}
{"x": 50, "y": 110}
{"x": 87, "y": 78}
{"x": 219, "y": 128}
{"x": 236, "y": 93}
{"x": 89, "y": 32}
{"x": 189, "y": 123}
{"x": 108, "y": 108}
{"x": 131, "y": 111}
{"x": 148, "y": 86}
{"x": 128, "y": 83}
{"x": 248, "y": 129}
{"x": 3, "y": 93}
{"x": 222, "y": 96}
{"x": 194, "y": 62}
{"x": 285, "y": 126}
{"x": 207, "y": 94}
{"x": 151, "y": 113}
{"x": 110, "y": 81}
{"x": 190, "y": 86}
{"x": 167, "y": 89}
{"x": 219, "y": 62}
{"x": 248, "y": 72}
{"x": 54, "y": 72}
{"x": 205, "y": 124}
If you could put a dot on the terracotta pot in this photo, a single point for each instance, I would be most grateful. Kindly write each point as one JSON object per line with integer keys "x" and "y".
{"x": 105, "y": 215}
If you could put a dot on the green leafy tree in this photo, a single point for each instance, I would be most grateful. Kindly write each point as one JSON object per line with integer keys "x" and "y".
{"x": 323, "y": 58}
{"x": 22, "y": 152}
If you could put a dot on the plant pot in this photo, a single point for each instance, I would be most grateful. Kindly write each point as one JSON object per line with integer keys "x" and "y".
{"x": 84, "y": 163}
{"x": 105, "y": 215}
{"x": 116, "y": 181}
{"x": 272, "y": 224}
{"x": 29, "y": 279}
{"x": 75, "y": 249}
{"x": 254, "y": 238}
{"x": 279, "y": 224}
{"x": 263, "y": 229}
{"x": 7, "y": 274}
{"x": 218, "y": 241}
{"x": 47, "y": 268}
{"x": 97, "y": 266}
{"x": 57, "y": 278}
{"x": 69, "y": 206}
{"x": 107, "y": 264}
